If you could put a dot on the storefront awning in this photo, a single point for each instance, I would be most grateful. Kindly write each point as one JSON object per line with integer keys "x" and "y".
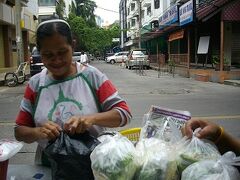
{"x": 176, "y": 35}
{"x": 145, "y": 29}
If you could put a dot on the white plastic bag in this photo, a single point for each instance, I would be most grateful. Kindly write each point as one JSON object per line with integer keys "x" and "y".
{"x": 114, "y": 159}
{"x": 8, "y": 148}
{"x": 195, "y": 149}
{"x": 221, "y": 169}
{"x": 155, "y": 160}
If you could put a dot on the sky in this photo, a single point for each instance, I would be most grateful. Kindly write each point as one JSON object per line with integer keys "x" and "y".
{"x": 108, "y": 16}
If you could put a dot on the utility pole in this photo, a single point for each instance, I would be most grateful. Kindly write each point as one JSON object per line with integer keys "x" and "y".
{"x": 18, "y": 31}
{"x": 139, "y": 23}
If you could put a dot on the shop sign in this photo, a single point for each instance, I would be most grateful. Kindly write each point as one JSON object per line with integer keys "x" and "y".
{"x": 186, "y": 13}
{"x": 169, "y": 17}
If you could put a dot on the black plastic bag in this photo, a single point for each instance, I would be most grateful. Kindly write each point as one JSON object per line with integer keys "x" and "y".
{"x": 70, "y": 156}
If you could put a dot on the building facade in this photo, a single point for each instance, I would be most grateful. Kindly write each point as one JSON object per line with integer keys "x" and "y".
{"x": 190, "y": 33}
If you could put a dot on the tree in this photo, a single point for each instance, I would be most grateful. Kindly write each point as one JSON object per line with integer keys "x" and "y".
{"x": 60, "y": 9}
{"x": 92, "y": 39}
{"x": 85, "y": 9}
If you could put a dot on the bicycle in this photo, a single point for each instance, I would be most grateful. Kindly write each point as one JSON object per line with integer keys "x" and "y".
{"x": 18, "y": 77}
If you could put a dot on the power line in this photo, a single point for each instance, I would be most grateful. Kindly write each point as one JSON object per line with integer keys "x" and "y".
{"x": 108, "y": 9}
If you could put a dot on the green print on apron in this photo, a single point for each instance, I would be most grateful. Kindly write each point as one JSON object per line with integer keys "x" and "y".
{"x": 63, "y": 109}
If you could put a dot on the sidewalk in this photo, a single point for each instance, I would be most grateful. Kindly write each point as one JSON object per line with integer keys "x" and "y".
{"x": 155, "y": 66}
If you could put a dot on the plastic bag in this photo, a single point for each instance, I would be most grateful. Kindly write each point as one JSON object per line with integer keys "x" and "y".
{"x": 157, "y": 122}
{"x": 156, "y": 160}
{"x": 195, "y": 149}
{"x": 113, "y": 159}
{"x": 8, "y": 148}
{"x": 70, "y": 156}
{"x": 221, "y": 169}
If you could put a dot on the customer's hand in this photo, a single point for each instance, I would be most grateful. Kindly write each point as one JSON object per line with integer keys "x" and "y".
{"x": 77, "y": 124}
{"x": 208, "y": 130}
{"x": 49, "y": 130}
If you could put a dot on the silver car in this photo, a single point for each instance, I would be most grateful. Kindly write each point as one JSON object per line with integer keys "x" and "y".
{"x": 117, "y": 57}
{"x": 138, "y": 58}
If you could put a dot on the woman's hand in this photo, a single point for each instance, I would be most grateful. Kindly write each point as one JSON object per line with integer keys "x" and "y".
{"x": 208, "y": 130}
{"x": 49, "y": 130}
{"x": 77, "y": 124}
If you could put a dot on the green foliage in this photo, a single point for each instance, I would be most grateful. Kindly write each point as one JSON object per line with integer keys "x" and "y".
{"x": 85, "y": 9}
{"x": 215, "y": 59}
{"x": 92, "y": 39}
{"x": 60, "y": 9}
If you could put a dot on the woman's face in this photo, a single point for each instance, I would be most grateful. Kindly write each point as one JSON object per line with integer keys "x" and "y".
{"x": 56, "y": 55}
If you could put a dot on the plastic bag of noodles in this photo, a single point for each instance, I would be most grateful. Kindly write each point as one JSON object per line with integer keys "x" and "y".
{"x": 113, "y": 159}
{"x": 220, "y": 169}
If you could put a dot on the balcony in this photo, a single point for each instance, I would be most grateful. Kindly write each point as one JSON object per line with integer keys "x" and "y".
{"x": 146, "y": 3}
{"x": 7, "y": 14}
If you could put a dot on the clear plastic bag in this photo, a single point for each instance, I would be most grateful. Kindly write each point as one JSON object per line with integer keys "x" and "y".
{"x": 221, "y": 169}
{"x": 9, "y": 148}
{"x": 114, "y": 159}
{"x": 195, "y": 149}
{"x": 156, "y": 122}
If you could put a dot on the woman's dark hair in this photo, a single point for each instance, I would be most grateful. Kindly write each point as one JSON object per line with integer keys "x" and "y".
{"x": 49, "y": 28}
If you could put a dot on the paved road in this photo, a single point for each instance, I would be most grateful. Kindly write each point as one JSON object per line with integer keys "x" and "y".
{"x": 208, "y": 100}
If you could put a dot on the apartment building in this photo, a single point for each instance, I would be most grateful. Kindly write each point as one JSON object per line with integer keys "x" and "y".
{"x": 8, "y": 40}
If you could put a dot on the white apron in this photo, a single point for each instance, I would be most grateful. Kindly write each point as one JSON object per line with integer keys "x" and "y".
{"x": 60, "y": 100}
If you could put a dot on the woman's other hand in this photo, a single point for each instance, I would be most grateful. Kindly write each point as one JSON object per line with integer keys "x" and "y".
{"x": 77, "y": 124}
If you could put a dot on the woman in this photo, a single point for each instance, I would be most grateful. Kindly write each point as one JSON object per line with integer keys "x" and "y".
{"x": 66, "y": 96}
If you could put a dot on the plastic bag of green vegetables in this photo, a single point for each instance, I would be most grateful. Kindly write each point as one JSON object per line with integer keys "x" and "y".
{"x": 113, "y": 159}
{"x": 195, "y": 149}
{"x": 156, "y": 160}
{"x": 221, "y": 169}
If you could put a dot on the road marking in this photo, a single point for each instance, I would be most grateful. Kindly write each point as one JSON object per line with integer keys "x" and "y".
{"x": 222, "y": 117}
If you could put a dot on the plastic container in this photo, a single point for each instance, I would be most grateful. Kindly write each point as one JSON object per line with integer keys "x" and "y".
{"x": 3, "y": 170}
{"x": 132, "y": 134}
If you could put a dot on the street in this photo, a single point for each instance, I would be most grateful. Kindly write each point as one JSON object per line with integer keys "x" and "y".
{"x": 207, "y": 100}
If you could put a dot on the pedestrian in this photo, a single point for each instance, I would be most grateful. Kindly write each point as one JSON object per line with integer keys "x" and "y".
{"x": 209, "y": 130}
{"x": 66, "y": 95}
{"x": 83, "y": 58}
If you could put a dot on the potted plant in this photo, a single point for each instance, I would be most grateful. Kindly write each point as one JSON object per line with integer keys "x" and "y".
{"x": 216, "y": 62}
{"x": 226, "y": 65}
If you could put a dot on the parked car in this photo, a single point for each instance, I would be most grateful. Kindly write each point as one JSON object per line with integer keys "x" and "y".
{"x": 36, "y": 64}
{"x": 108, "y": 55}
{"x": 76, "y": 56}
{"x": 118, "y": 57}
{"x": 137, "y": 58}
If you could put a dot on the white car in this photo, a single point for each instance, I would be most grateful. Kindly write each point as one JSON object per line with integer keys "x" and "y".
{"x": 138, "y": 58}
{"x": 118, "y": 57}
{"x": 76, "y": 56}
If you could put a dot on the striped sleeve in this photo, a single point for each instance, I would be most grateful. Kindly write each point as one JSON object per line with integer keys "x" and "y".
{"x": 25, "y": 114}
{"x": 108, "y": 95}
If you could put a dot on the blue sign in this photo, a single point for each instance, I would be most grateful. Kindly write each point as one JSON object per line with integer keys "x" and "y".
{"x": 186, "y": 13}
{"x": 169, "y": 17}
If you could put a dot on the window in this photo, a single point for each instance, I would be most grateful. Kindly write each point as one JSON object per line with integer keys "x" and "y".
{"x": 133, "y": 22}
{"x": 149, "y": 11}
{"x": 156, "y": 4}
{"x": 132, "y": 6}
{"x": 46, "y": 2}
{"x": 142, "y": 14}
